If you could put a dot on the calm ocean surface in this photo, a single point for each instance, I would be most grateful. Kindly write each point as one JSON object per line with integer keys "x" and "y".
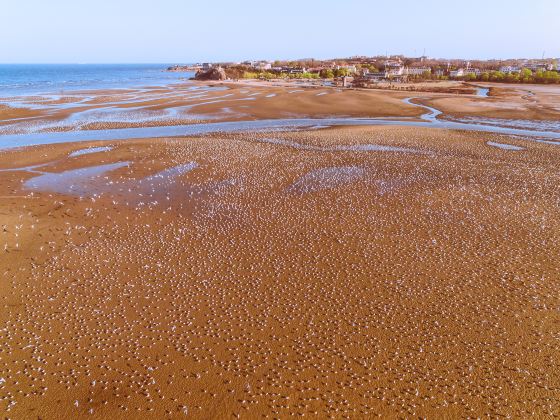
{"x": 30, "y": 79}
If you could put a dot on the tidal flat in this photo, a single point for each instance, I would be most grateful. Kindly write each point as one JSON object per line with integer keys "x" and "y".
{"x": 334, "y": 272}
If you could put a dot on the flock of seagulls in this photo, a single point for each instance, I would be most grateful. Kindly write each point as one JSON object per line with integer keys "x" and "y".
{"x": 333, "y": 273}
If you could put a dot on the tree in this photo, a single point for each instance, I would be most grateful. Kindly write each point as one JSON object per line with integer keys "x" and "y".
{"x": 525, "y": 73}
{"x": 327, "y": 74}
{"x": 341, "y": 72}
{"x": 497, "y": 76}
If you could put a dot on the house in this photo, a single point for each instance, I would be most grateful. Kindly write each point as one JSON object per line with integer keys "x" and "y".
{"x": 538, "y": 66}
{"x": 395, "y": 71}
{"x": 375, "y": 77}
{"x": 417, "y": 71}
{"x": 510, "y": 69}
{"x": 263, "y": 65}
{"x": 457, "y": 73}
{"x": 394, "y": 67}
{"x": 476, "y": 72}
{"x": 463, "y": 72}
{"x": 350, "y": 69}
{"x": 294, "y": 70}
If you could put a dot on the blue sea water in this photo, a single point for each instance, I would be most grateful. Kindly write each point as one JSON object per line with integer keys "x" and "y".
{"x": 32, "y": 79}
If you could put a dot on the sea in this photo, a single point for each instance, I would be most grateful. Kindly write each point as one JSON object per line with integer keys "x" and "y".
{"x": 35, "y": 79}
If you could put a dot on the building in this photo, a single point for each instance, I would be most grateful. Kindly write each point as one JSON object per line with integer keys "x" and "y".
{"x": 510, "y": 69}
{"x": 351, "y": 69}
{"x": 394, "y": 70}
{"x": 263, "y": 65}
{"x": 417, "y": 71}
{"x": 394, "y": 67}
{"x": 476, "y": 72}
{"x": 374, "y": 77}
{"x": 293, "y": 70}
{"x": 464, "y": 72}
{"x": 538, "y": 66}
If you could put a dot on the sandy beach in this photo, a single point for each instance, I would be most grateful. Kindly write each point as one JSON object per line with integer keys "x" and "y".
{"x": 333, "y": 272}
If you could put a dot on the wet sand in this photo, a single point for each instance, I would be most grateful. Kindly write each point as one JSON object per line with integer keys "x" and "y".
{"x": 355, "y": 272}
{"x": 525, "y": 102}
{"x": 196, "y": 103}
{"x": 191, "y": 103}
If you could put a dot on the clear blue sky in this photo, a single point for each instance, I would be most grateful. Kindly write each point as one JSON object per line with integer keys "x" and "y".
{"x": 170, "y": 31}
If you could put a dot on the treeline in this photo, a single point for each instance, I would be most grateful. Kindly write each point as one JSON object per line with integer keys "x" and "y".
{"x": 242, "y": 72}
{"x": 323, "y": 74}
{"x": 332, "y": 73}
{"x": 524, "y": 76}
{"x": 267, "y": 75}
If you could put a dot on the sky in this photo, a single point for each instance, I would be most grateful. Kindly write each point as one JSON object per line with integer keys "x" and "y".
{"x": 186, "y": 31}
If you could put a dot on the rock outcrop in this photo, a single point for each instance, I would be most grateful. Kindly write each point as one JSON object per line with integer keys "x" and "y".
{"x": 216, "y": 73}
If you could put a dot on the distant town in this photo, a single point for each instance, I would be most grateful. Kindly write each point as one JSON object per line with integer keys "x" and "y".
{"x": 368, "y": 71}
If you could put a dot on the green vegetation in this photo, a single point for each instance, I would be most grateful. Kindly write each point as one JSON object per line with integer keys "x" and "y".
{"x": 327, "y": 74}
{"x": 271, "y": 75}
{"x": 524, "y": 76}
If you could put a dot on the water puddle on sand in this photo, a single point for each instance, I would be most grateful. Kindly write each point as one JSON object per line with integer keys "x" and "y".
{"x": 326, "y": 178}
{"x": 161, "y": 187}
{"x": 170, "y": 173}
{"x": 504, "y": 146}
{"x": 482, "y": 92}
{"x": 83, "y": 182}
{"x": 93, "y": 180}
{"x": 90, "y": 150}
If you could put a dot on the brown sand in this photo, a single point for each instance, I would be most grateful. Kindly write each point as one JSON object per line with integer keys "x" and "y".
{"x": 401, "y": 285}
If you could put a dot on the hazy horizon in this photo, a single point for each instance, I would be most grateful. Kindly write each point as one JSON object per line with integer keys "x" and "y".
{"x": 138, "y": 32}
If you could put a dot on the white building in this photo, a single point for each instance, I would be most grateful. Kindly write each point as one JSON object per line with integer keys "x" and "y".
{"x": 510, "y": 69}
{"x": 351, "y": 69}
{"x": 263, "y": 65}
{"x": 417, "y": 71}
{"x": 464, "y": 72}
